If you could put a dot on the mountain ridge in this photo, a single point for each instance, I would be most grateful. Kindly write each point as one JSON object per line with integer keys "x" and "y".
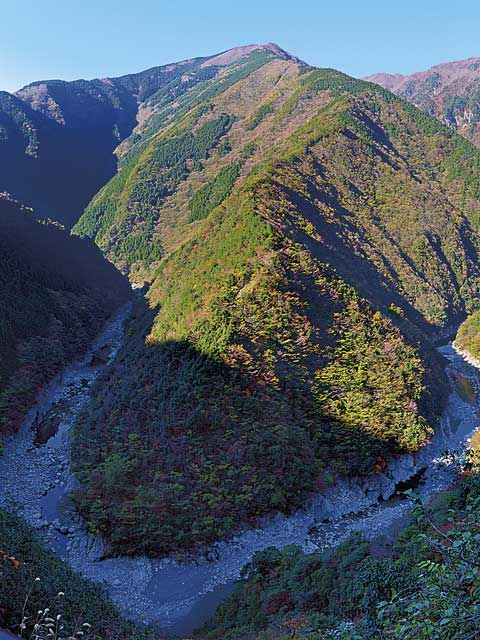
{"x": 449, "y": 91}
{"x": 302, "y": 238}
{"x": 229, "y": 55}
{"x": 41, "y": 123}
{"x": 463, "y": 64}
{"x": 304, "y": 233}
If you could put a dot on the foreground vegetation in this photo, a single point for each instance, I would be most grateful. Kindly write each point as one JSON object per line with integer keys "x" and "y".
{"x": 33, "y": 578}
{"x": 426, "y": 588}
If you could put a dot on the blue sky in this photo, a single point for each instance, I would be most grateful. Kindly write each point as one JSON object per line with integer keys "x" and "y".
{"x": 69, "y": 39}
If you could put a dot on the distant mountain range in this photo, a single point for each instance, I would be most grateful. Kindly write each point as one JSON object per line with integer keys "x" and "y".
{"x": 450, "y": 92}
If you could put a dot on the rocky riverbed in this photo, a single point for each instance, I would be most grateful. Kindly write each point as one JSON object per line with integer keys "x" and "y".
{"x": 36, "y": 481}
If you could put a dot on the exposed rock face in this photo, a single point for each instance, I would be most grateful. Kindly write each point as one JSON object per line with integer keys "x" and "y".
{"x": 449, "y": 91}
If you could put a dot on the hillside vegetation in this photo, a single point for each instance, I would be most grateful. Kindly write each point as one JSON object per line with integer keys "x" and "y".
{"x": 468, "y": 335}
{"x": 424, "y": 588}
{"x": 56, "y": 292}
{"x": 304, "y": 233}
{"x": 34, "y": 578}
{"x": 58, "y": 139}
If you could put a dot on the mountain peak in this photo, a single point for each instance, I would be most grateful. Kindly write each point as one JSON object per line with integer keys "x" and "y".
{"x": 232, "y": 55}
{"x": 387, "y": 80}
{"x": 458, "y": 70}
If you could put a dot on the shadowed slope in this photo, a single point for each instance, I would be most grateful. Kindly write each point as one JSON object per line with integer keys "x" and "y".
{"x": 309, "y": 249}
{"x": 56, "y": 293}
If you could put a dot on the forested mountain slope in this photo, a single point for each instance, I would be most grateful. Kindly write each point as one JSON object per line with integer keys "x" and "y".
{"x": 57, "y": 139}
{"x": 56, "y": 293}
{"x": 304, "y": 233}
{"x": 450, "y": 92}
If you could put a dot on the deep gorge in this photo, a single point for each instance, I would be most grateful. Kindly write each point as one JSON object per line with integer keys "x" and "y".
{"x": 296, "y": 239}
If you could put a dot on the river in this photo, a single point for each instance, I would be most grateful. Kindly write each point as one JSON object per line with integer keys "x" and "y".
{"x": 36, "y": 481}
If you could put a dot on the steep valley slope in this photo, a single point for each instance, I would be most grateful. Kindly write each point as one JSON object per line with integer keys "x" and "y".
{"x": 56, "y": 292}
{"x": 303, "y": 238}
{"x": 304, "y": 234}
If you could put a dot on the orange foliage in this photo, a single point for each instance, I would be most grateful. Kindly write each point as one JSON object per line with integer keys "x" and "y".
{"x": 4, "y": 556}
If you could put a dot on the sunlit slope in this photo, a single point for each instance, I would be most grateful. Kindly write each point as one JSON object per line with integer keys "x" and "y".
{"x": 304, "y": 232}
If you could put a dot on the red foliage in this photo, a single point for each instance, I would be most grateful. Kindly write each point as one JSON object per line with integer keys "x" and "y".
{"x": 5, "y": 557}
{"x": 380, "y": 464}
{"x": 278, "y": 601}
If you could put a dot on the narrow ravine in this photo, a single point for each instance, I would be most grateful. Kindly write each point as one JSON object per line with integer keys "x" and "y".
{"x": 36, "y": 481}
